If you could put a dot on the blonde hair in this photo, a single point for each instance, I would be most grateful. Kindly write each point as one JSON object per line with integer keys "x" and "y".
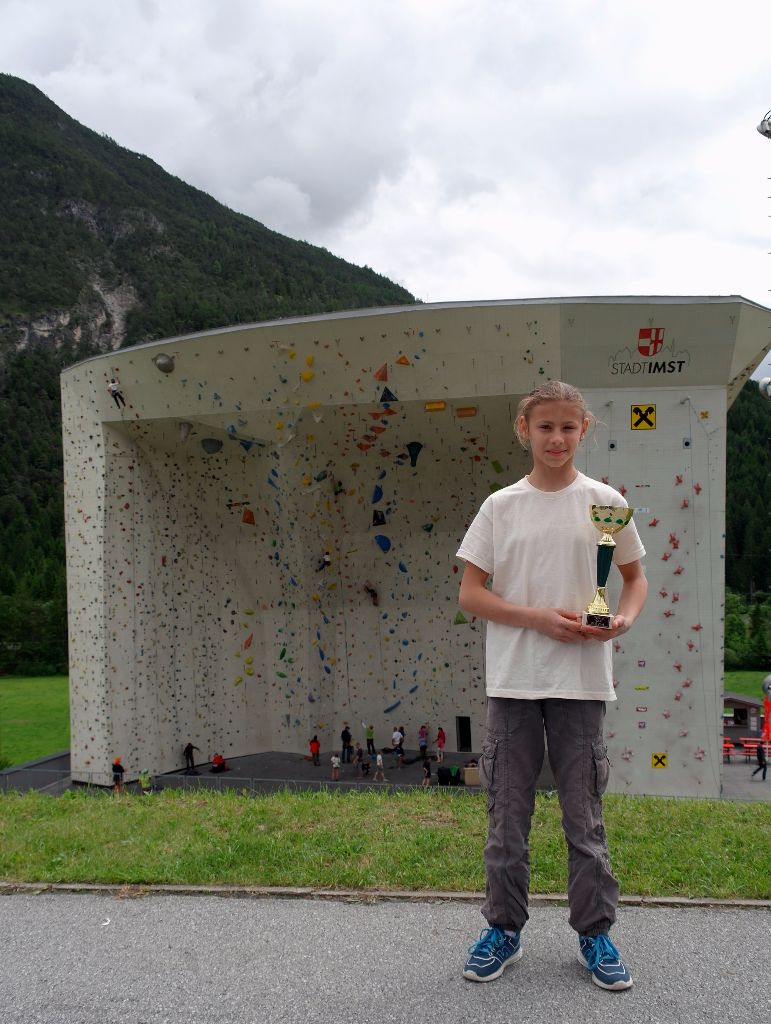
{"x": 550, "y": 391}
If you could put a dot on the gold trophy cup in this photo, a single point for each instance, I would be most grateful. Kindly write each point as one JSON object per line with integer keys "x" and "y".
{"x": 608, "y": 519}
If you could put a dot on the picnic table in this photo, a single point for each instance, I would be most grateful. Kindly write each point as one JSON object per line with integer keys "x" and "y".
{"x": 750, "y": 746}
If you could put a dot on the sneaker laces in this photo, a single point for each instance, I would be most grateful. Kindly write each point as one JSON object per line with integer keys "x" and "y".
{"x": 602, "y": 949}
{"x": 487, "y": 942}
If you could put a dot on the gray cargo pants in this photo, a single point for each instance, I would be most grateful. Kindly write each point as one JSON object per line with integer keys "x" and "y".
{"x": 512, "y": 757}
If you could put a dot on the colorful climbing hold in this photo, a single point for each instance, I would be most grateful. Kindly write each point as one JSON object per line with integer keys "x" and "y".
{"x": 414, "y": 448}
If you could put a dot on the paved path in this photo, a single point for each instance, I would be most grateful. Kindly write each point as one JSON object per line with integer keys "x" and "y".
{"x": 81, "y": 959}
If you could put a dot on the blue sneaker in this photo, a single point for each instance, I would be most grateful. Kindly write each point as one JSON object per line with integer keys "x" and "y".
{"x": 491, "y": 955}
{"x": 598, "y": 954}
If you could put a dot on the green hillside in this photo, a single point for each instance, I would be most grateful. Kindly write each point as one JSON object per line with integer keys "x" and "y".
{"x": 78, "y": 210}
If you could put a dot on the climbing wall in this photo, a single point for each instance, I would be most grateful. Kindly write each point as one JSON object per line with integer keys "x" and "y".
{"x": 261, "y": 541}
{"x": 666, "y": 721}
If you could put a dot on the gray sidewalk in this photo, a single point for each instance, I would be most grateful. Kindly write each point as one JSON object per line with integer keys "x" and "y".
{"x": 82, "y": 959}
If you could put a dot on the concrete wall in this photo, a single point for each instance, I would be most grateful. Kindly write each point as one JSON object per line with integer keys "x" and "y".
{"x": 197, "y": 608}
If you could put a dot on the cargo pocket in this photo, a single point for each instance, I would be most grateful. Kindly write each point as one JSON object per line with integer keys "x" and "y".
{"x": 487, "y": 770}
{"x": 601, "y": 766}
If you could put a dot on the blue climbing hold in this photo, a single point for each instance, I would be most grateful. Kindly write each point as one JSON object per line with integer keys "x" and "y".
{"x": 382, "y": 542}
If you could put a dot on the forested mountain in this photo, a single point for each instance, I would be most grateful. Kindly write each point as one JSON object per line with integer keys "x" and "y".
{"x": 132, "y": 253}
{"x": 101, "y": 248}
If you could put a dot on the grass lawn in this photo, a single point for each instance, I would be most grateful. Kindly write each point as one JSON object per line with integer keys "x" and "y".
{"x": 34, "y": 717}
{"x": 410, "y": 840}
{"x": 747, "y": 683}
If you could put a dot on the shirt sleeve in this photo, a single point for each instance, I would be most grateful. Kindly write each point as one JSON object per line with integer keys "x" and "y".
{"x": 477, "y": 546}
{"x": 629, "y": 547}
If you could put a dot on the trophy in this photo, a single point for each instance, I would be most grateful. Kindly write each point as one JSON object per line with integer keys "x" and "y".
{"x": 608, "y": 519}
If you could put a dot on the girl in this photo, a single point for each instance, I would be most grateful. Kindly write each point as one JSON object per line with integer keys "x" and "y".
{"x": 547, "y": 671}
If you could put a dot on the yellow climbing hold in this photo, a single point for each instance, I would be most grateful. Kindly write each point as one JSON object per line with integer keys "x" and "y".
{"x": 279, "y": 424}
{"x": 249, "y": 611}
{"x": 307, "y": 375}
{"x": 249, "y": 659}
{"x": 250, "y": 671}
{"x": 238, "y": 680}
{"x": 309, "y": 360}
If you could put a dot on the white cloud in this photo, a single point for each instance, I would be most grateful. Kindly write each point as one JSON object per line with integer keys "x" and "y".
{"x": 486, "y": 149}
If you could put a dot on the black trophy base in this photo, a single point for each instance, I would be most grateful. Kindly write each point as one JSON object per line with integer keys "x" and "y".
{"x": 598, "y": 619}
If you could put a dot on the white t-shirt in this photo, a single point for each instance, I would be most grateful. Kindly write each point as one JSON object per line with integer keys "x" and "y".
{"x": 540, "y": 548}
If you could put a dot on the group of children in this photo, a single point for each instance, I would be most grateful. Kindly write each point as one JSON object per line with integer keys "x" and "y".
{"x": 118, "y": 786}
{"x": 363, "y": 762}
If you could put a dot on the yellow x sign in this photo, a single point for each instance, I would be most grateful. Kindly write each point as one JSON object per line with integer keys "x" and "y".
{"x": 643, "y": 417}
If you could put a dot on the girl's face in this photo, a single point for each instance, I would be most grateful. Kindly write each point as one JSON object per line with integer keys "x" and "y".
{"x": 554, "y": 430}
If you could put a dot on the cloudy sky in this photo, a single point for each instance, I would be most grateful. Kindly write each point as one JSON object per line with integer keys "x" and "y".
{"x": 468, "y": 150}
